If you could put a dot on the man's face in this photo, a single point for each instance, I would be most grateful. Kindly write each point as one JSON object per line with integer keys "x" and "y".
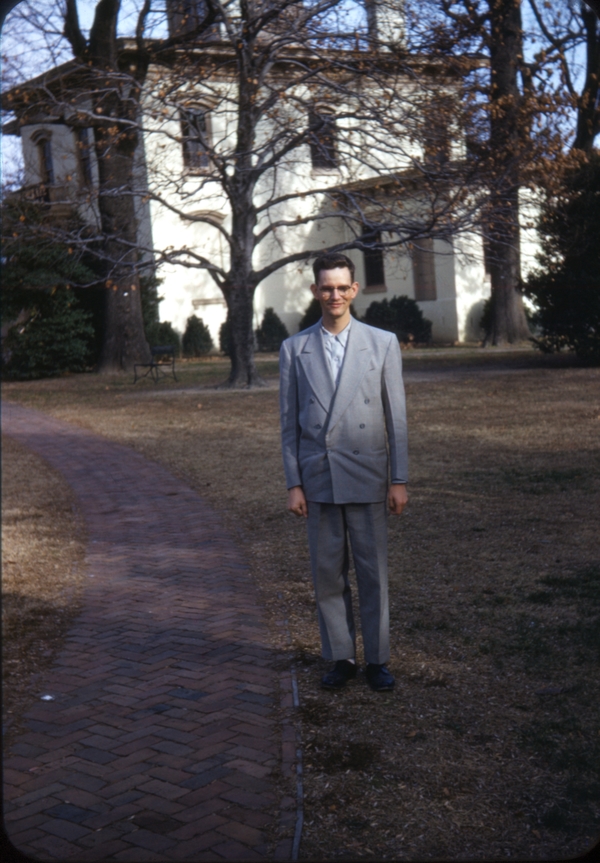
{"x": 335, "y": 291}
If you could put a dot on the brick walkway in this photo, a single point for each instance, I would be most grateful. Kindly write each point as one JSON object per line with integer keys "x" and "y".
{"x": 165, "y": 728}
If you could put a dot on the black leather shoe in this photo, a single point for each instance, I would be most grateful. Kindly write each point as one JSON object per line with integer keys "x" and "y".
{"x": 340, "y": 674}
{"x": 379, "y": 678}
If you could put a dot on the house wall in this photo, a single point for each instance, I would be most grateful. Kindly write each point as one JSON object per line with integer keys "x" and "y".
{"x": 462, "y": 285}
{"x": 461, "y": 280}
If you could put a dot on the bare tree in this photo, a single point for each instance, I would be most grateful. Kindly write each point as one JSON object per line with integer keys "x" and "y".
{"x": 290, "y": 117}
{"x": 296, "y": 122}
{"x": 100, "y": 89}
{"x": 526, "y": 121}
{"x": 508, "y": 126}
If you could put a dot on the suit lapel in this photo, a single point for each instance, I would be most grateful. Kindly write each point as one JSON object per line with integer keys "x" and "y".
{"x": 314, "y": 363}
{"x": 356, "y": 363}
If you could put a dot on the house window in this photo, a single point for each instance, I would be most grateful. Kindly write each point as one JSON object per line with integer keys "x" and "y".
{"x": 423, "y": 262}
{"x": 374, "y": 268}
{"x": 46, "y": 164}
{"x": 322, "y": 138}
{"x": 195, "y": 131}
{"x": 185, "y": 16}
{"x": 436, "y": 130}
{"x": 84, "y": 149}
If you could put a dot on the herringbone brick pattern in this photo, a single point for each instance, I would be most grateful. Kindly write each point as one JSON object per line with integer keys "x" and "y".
{"x": 162, "y": 737}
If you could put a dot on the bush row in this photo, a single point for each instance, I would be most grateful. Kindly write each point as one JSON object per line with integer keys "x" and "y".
{"x": 400, "y": 315}
{"x": 58, "y": 335}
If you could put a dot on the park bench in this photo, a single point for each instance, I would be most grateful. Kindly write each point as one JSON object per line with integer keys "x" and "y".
{"x": 162, "y": 357}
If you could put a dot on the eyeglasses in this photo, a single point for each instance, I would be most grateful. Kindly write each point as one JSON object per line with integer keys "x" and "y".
{"x": 327, "y": 292}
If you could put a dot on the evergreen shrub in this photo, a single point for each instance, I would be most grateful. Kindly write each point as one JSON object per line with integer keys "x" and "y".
{"x": 197, "y": 340}
{"x": 48, "y": 333}
{"x": 400, "y": 315}
{"x": 225, "y": 337}
{"x": 163, "y": 333}
{"x": 566, "y": 286}
{"x": 271, "y": 332}
{"x": 312, "y": 314}
{"x": 55, "y": 338}
{"x": 150, "y": 299}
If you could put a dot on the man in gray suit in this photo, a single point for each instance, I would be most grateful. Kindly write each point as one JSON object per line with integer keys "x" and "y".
{"x": 343, "y": 426}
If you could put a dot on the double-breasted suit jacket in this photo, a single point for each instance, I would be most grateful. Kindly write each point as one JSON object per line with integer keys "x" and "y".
{"x": 340, "y": 443}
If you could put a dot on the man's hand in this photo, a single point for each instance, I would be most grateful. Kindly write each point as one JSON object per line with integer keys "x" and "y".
{"x": 297, "y": 501}
{"x": 397, "y": 498}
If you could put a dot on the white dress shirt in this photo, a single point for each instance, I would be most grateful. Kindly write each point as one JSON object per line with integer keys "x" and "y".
{"x": 335, "y": 350}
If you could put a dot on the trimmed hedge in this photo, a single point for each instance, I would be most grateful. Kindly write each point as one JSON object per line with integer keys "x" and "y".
{"x": 163, "y": 333}
{"x": 271, "y": 332}
{"x": 400, "y": 315}
{"x": 197, "y": 340}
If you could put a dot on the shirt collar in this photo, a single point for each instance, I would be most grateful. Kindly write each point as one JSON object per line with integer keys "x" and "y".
{"x": 341, "y": 337}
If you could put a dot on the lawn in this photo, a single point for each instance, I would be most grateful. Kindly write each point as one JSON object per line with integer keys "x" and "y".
{"x": 489, "y": 747}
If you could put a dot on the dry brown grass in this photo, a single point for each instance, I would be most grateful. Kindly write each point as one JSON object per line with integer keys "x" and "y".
{"x": 42, "y": 573}
{"x": 490, "y": 745}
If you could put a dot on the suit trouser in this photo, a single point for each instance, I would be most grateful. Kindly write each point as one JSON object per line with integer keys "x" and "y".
{"x": 329, "y": 528}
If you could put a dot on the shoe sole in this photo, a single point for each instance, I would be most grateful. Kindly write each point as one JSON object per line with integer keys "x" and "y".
{"x": 337, "y": 685}
{"x": 382, "y": 688}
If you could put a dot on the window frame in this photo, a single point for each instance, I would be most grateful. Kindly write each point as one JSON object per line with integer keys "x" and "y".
{"x": 43, "y": 144}
{"x": 374, "y": 265}
{"x": 195, "y": 160}
{"x": 324, "y": 155}
{"x": 423, "y": 270}
{"x": 84, "y": 153}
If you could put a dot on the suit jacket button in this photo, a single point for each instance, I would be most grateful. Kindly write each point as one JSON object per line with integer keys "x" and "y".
{"x": 318, "y": 426}
{"x": 355, "y": 452}
{"x": 311, "y": 401}
{"x": 367, "y": 401}
{"x": 362, "y": 425}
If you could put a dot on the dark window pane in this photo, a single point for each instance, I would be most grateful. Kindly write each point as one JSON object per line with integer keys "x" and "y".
{"x": 322, "y": 139}
{"x": 373, "y": 256}
{"x": 185, "y": 15}
{"x": 423, "y": 261}
{"x": 46, "y": 164}
{"x": 195, "y": 132}
{"x": 85, "y": 155}
{"x": 436, "y": 130}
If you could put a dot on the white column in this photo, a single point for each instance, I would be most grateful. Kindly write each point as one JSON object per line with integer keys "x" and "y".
{"x": 385, "y": 19}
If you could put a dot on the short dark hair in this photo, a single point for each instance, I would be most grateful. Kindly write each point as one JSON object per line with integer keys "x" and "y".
{"x": 331, "y": 261}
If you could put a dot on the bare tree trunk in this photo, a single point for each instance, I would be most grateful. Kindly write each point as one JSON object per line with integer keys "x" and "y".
{"x": 115, "y": 94}
{"x": 509, "y": 323}
{"x": 240, "y": 307}
{"x": 595, "y": 5}
{"x": 115, "y": 101}
{"x": 124, "y": 339}
{"x": 241, "y": 283}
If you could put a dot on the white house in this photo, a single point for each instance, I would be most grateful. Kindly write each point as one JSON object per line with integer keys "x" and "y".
{"x": 186, "y": 208}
